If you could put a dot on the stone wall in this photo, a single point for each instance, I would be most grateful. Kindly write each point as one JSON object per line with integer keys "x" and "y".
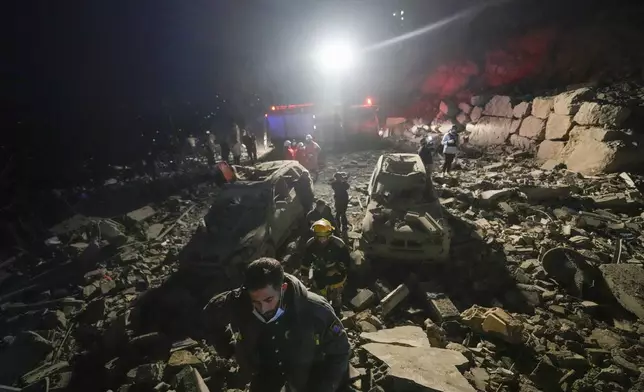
{"x": 572, "y": 128}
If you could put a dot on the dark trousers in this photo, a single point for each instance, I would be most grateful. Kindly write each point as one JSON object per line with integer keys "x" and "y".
{"x": 447, "y": 165}
{"x": 236, "y": 160}
{"x": 225, "y": 154}
{"x": 341, "y": 216}
{"x": 252, "y": 153}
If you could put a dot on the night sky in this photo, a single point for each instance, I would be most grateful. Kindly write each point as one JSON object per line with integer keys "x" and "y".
{"x": 86, "y": 77}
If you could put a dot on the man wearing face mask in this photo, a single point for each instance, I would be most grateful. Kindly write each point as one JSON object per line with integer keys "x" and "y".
{"x": 282, "y": 333}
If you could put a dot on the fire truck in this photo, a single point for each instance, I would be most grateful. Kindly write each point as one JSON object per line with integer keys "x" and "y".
{"x": 331, "y": 126}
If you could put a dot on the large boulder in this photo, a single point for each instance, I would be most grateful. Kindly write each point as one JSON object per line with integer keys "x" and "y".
{"x": 596, "y": 150}
{"x": 476, "y": 113}
{"x": 479, "y": 100}
{"x": 558, "y": 126}
{"x": 542, "y": 107}
{"x": 492, "y": 131}
{"x": 626, "y": 282}
{"x": 522, "y": 110}
{"x": 592, "y": 113}
{"x": 549, "y": 149}
{"x": 522, "y": 143}
{"x": 533, "y": 128}
{"x": 499, "y": 106}
{"x": 568, "y": 103}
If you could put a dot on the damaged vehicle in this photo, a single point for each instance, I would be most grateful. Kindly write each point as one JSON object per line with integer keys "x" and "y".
{"x": 250, "y": 218}
{"x": 403, "y": 219}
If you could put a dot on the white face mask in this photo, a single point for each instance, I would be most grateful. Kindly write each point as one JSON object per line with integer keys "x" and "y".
{"x": 278, "y": 313}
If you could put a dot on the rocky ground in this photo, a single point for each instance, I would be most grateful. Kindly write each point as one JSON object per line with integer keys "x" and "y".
{"x": 543, "y": 292}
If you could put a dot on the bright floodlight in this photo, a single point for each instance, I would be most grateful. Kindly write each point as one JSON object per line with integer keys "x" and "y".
{"x": 335, "y": 57}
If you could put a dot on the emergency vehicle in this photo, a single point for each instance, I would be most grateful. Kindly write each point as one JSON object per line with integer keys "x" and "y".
{"x": 328, "y": 125}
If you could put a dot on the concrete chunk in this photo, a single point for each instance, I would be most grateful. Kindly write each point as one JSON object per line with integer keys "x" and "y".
{"x": 499, "y": 106}
{"x": 408, "y": 336}
{"x": 426, "y": 367}
{"x": 626, "y": 282}
{"x": 363, "y": 300}
{"x": 141, "y": 214}
{"x": 568, "y": 103}
{"x": 394, "y": 299}
{"x": 189, "y": 380}
{"x": 440, "y": 305}
{"x": 542, "y": 107}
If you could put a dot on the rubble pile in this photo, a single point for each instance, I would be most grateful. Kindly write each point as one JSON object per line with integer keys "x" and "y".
{"x": 543, "y": 292}
{"x": 589, "y": 130}
{"x": 545, "y": 289}
{"x": 67, "y": 313}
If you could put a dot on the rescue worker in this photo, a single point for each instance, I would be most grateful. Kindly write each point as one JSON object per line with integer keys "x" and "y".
{"x": 236, "y": 149}
{"x": 300, "y": 154}
{"x": 248, "y": 139}
{"x": 289, "y": 151}
{"x": 325, "y": 263}
{"x": 282, "y": 334}
{"x": 313, "y": 154}
{"x": 426, "y": 153}
{"x": 450, "y": 149}
{"x": 340, "y": 188}
{"x": 321, "y": 211}
{"x": 304, "y": 190}
{"x": 225, "y": 149}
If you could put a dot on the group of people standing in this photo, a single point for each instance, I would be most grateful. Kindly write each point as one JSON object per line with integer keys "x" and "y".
{"x": 307, "y": 153}
{"x": 233, "y": 146}
{"x": 449, "y": 147}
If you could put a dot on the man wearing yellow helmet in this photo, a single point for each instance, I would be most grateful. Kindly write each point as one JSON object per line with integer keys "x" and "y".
{"x": 326, "y": 260}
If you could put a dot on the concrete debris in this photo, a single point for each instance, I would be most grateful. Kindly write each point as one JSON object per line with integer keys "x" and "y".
{"x": 408, "y": 336}
{"x": 542, "y": 107}
{"x": 626, "y": 282}
{"x": 499, "y": 106}
{"x": 435, "y": 369}
{"x": 495, "y": 321}
{"x": 554, "y": 256}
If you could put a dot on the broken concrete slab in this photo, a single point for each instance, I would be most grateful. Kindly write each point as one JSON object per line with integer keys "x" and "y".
{"x": 70, "y": 225}
{"x": 363, "y": 300}
{"x": 408, "y": 336}
{"x": 141, "y": 214}
{"x": 182, "y": 358}
{"x": 440, "y": 306}
{"x": 189, "y": 380}
{"x": 433, "y": 368}
{"x": 394, "y": 299}
{"x": 523, "y": 143}
{"x": 154, "y": 231}
{"x": 535, "y": 194}
{"x": 493, "y": 196}
{"x": 111, "y": 231}
{"x": 626, "y": 282}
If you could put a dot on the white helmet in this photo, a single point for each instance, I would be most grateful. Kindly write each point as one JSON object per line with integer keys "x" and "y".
{"x": 287, "y": 143}
{"x": 309, "y": 138}
{"x": 300, "y": 145}
{"x": 429, "y": 139}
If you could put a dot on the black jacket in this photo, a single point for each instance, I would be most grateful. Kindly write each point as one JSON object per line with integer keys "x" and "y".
{"x": 314, "y": 216}
{"x": 317, "y": 338}
{"x": 425, "y": 153}
{"x": 340, "y": 191}
{"x": 332, "y": 255}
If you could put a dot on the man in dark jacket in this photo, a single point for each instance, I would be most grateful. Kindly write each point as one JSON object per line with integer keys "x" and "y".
{"x": 282, "y": 333}
{"x": 320, "y": 211}
{"x": 304, "y": 189}
{"x": 249, "y": 141}
{"x": 340, "y": 188}
{"x": 326, "y": 262}
{"x": 426, "y": 153}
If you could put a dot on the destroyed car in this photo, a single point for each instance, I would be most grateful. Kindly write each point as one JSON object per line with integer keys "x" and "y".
{"x": 403, "y": 219}
{"x": 251, "y": 217}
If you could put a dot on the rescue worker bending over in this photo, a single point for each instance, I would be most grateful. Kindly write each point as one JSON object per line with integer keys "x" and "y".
{"x": 281, "y": 333}
{"x": 289, "y": 151}
{"x": 321, "y": 211}
{"x": 325, "y": 263}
